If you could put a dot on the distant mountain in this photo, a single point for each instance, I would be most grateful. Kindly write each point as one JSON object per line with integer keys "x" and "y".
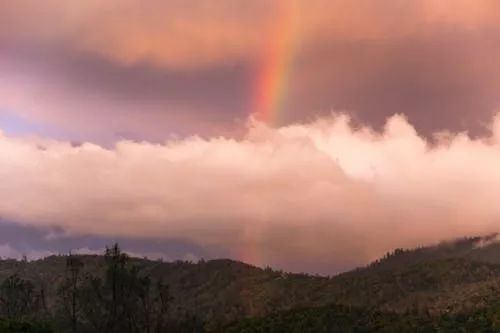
{"x": 424, "y": 287}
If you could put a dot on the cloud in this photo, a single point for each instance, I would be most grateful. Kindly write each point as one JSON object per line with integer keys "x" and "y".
{"x": 11, "y": 252}
{"x": 320, "y": 196}
{"x": 150, "y": 255}
{"x": 98, "y": 71}
{"x": 171, "y": 33}
{"x": 36, "y": 242}
{"x": 487, "y": 240}
{"x": 7, "y": 251}
{"x": 67, "y": 96}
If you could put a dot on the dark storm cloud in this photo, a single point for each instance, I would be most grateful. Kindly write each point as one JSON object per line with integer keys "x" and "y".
{"x": 192, "y": 69}
{"x": 448, "y": 80}
{"x": 437, "y": 66}
{"x": 143, "y": 99}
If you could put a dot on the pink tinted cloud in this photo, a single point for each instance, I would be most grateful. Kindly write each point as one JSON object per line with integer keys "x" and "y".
{"x": 171, "y": 33}
{"x": 106, "y": 70}
{"x": 320, "y": 192}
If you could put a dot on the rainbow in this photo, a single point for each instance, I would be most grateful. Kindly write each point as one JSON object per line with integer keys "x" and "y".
{"x": 275, "y": 67}
{"x": 273, "y": 74}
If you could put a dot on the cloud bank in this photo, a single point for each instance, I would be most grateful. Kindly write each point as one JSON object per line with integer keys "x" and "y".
{"x": 100, "y": 71}
{"x": 319, "y": 196}
{"x": 171, "y": 33}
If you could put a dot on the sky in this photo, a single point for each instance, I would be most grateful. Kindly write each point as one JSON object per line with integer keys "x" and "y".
{"x": 311, "y": 136}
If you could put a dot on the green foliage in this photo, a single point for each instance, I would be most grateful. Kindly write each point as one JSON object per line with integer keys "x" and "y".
{"x": 452, "y": 287}
{"x": 18, "y": 298}
{"x": 69, "y": 293}
{"x": 338, "y": 318}
{"x": 25, "y": 326}
{"x": 122, "y": 299}
{"x": 119, "y": 297}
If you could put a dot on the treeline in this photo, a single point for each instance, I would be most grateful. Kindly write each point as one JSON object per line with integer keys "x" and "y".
{"x": 345, "y": 319}
{"x": 409, "y": 291}
{"x": 119, "y": 298}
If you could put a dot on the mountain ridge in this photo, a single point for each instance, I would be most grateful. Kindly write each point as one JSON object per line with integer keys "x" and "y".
{"x": 460, "y": 276}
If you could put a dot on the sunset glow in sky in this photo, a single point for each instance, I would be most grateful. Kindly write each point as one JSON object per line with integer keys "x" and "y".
{"x": 306, "y": 135}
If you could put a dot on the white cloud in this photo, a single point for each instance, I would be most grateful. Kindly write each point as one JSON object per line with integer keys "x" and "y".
{"x": 316, "y": 193}
{"x": 136, "y": 254}
{"x": 7, "y": 251}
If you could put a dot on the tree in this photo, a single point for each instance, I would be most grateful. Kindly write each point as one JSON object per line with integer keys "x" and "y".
{"x": 94, "y": 314}
{"x": 119, "y": 297}
{"x": 17, "y": 297}
{"x": 162, "y": 303}
{"x": 70, "y": 289}
{"x": 124, "y": 299}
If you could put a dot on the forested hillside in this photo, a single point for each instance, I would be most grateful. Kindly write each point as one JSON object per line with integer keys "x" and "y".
{"x": 438, "y": 288}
